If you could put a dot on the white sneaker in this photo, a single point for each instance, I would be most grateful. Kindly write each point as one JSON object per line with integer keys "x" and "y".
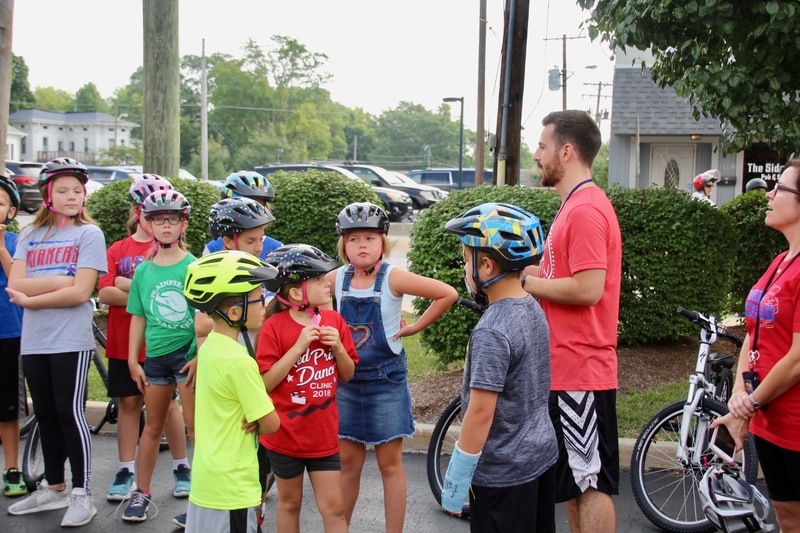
{"x": 81, "y": 509}
{"x": 43, "y": 499}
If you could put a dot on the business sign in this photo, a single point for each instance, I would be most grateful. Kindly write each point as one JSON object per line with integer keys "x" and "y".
{"x": 760, "y": 161}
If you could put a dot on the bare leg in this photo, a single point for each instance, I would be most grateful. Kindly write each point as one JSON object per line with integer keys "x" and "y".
{"x": 327, "y": 493}
{"x": 157, "y": 398}
{"x": 788, "y": 514}
{"x": 187, "y": 402}
{"x": 176, "y": 431}
{"x": 130, "y": 409}
{"x": 290, "y": 499}
{"x": 593, "y": 508}
{"x": 352, "y": 455}
{"x": 390, "y": 462}
{"x": 9, "y": 433}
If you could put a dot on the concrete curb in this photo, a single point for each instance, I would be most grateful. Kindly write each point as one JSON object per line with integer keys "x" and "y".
{"x": 417, "y": 444}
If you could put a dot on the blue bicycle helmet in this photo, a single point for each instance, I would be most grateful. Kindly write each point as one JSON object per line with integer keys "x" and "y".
{"x": 510, "y": 234}
{"x": 11, "y": 188}
{"x": 248, "y": 185}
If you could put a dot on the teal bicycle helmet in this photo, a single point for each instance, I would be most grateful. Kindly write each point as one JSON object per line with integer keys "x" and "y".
{"x": 248, "y": 185}
{"x": 510, "y": 234}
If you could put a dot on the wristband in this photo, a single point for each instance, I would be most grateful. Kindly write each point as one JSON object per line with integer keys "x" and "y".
{"x": 458, "y": 479}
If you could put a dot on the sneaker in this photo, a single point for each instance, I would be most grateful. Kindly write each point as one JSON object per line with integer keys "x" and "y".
{"x": 13, "y": 484}
{"x": 123, "y": 485}
{"x": 81, "y": 509}
{"x": 42, "y": 499}
{"x": 137, "y": 508}
{"x": 180, "y": 520}
{"x": 183, "y": 481}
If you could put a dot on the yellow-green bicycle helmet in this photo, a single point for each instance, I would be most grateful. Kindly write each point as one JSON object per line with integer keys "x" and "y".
{"x": 220, "y": 275}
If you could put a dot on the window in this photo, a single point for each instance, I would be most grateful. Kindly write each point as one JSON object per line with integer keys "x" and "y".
{"x": 72, "y": 146}
{"x": 111, "y": 144}
{"x": 60, "y": 146}
{"x": 23, "y": 147}
{"x": 672, "y": 175}
{"x": 44, "y": 143}
{"x": 85, "y": 144}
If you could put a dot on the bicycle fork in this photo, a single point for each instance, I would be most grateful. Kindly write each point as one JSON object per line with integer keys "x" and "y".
{"x": 697, "y": 390}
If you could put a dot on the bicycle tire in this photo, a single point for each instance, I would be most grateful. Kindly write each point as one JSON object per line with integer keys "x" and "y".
{"x": 666, "y": 490}
{"x": 440, "y": 450}
{"x": 32, "y": 458}
{"x": 26, "y": 424}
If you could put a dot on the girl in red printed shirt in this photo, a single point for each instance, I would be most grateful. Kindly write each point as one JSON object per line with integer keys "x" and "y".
{"x": 302, "y": 353}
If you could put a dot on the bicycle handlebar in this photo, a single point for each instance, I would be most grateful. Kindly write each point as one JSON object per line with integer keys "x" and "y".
{"x": 705, "y": 323}
{"x": 471, "y": 304}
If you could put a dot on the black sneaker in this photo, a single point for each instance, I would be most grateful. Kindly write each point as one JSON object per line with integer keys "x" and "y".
{"x": 180, "y": 520}
{"x": 137, "y": 507}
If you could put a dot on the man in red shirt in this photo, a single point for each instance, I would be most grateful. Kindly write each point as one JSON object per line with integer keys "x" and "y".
{"x": 578, "y": 283}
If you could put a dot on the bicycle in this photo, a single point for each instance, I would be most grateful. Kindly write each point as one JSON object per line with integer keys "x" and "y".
{"x": 672, "y": 452}
{"x": 32, "y": 459}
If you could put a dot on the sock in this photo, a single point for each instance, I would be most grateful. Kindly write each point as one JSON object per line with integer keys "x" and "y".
{"x": 128, "y": 465}
{"x": 177, "y": 462}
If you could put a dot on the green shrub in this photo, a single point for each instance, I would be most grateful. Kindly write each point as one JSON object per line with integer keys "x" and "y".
{"x": 109, "y": 206}
{"x": 307, "y": 204}
{"x": 436, "y": 254}
{"x": 675, "y": 252}
{"x": 756, "y": 245}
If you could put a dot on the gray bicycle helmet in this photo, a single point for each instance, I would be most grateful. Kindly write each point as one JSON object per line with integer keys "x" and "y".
{"x": 296, "y": 263}
{"x": 362, "y": 216}
{"x": 235, "y": 215}
{"x": 755, "y": 184}
{"x": 732, "y": 504}
{"x": 248, "y": 184}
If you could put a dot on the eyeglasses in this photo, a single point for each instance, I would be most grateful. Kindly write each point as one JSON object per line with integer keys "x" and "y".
{"x": 709, "y": 185}
{"x": 262, "y": 300}
{"x": 173, "y": 220}
{"x": 779, "y": 187}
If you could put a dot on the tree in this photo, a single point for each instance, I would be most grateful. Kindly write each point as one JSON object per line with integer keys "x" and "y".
{"x": 88, "y": 98}
{"x": 292, "y": 65}
{"x": 52, "y": 99}
{"x": 21, "y": 95}
{"x": 736, "y": 61}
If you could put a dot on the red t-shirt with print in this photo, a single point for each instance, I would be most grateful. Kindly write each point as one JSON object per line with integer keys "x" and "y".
{"x": 306, "y": 398}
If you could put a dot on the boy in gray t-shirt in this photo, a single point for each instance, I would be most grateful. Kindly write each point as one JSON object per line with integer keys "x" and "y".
{"x": 507, "y": 443}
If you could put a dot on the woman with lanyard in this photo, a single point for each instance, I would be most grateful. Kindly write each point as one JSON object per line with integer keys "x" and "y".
{"x": 772, "y": 351}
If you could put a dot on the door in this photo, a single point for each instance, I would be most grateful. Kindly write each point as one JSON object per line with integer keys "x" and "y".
{"x": 672, "y": 166}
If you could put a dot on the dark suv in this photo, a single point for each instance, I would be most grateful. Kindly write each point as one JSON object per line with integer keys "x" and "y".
{"x": 447, "y": 178}
{"x": 397, "y": 203}
{"x": 26, "y": 177}
{"x": 422, "y": 196}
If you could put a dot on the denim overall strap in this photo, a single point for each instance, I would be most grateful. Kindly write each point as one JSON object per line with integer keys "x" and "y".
{"x": 363, "y": 317}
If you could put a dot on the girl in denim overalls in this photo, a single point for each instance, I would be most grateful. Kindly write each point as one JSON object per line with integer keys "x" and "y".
{"x": 375, "y": 405}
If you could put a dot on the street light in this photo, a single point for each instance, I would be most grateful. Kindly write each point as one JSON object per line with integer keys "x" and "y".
{"x": 459, "y": 99}
{"x": 116, "y": 120}
{"x": 278, "y": 152}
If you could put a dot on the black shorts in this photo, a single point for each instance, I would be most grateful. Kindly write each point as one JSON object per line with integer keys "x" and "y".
{"x": 13, "y": 404}
{"x": 780, "y": 467}
{"x": 287, "y": 467}
{"x": 588, "y": 445}
{"x": 526, "y": 508}
{"x": 120, "y": 384}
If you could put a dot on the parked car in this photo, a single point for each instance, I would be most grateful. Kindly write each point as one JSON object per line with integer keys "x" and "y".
{"x": 183, "y": 174}
{"x": 92, "y": 186}
{"x": 397, "y": 203}
{"x": 447, "y": 178}
{"x": 106, "y": 175}
{"x": 26, "y": 177}
{"x": 422, "y": 196}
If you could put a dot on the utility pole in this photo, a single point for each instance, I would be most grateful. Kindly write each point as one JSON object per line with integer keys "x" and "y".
{"x": 512, "y": 81}
{"x": 203, "y": 115}
{"x": 479, "y": 134}
{"x": 6, "y": 61}
{"x": 564, "y": 75}
{"x": 600, "y": 94}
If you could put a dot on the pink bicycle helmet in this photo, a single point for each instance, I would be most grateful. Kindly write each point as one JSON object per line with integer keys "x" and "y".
{"x": 165, "y": 201}
{"x": 61, "y": 166}
{"x": 146, "y": 185}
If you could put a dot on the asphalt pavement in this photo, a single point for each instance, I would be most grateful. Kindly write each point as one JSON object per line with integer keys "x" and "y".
{"x": 423, "y": 514}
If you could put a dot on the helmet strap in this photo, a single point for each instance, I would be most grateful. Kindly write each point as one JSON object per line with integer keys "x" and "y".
{"x": 305, "y": 307}
{"x": 480, "y": 296}
{"x": 49, "y": 204}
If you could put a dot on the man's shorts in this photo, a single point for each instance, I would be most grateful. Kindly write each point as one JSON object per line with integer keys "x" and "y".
{"x": 13, "y": 403}
{"x": 287, "y": 467}
{"x": 222, "y": 521}
{"x": 588, "y": 445}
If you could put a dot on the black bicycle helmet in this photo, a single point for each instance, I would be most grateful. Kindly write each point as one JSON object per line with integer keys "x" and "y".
{"x": 755, "y": 184}
{"x": 165, "y": 201}
{"x": 224, "y": 274}
{"x": 512, "y": 235}
{"x": 362, "y": 216}
{"x": 296, "y": 263}
{"x": 11, "y": 188}
{"x": 248, "y": 185}
{"x": 61, "y": 166}
{"x": 235, "y": 215}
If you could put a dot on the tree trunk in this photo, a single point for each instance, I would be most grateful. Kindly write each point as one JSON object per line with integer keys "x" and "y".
{"x": 6, "y": 60}
{"x": 161, "y": 113}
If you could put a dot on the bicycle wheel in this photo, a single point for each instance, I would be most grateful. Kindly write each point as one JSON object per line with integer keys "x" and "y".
{"x": 440, "y": 449}
{"x": 27, "y": 423}
{"x": 667, "y": 490}
{"x": 32, "y": 458}
{"x": 724, "y": 385}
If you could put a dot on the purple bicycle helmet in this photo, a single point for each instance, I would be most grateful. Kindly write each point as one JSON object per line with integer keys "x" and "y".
{"x": 169, "y": 201}
{"x": 62, "y": 166}
{"x": 146, "y": 185}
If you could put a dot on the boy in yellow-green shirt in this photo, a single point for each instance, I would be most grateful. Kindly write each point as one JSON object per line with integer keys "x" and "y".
{"x": 231, "y": 405}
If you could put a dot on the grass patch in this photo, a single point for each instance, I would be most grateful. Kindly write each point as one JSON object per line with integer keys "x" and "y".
{"x": 635, "y": 409}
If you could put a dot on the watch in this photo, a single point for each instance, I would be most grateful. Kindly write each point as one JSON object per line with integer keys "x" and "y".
{"x": 754, "y": 403}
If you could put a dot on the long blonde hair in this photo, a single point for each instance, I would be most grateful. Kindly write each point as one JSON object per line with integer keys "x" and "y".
{"x": 47, "y": 218}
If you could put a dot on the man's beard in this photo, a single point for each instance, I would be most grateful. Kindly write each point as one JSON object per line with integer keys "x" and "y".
{"x": 552, "y": 174}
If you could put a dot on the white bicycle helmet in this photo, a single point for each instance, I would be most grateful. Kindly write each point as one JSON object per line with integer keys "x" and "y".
{"x": 732, "y": 504}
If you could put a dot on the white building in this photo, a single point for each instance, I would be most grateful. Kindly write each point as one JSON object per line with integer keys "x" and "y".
{"x": 80, "y": 135}
{"x": 13, "y": 143}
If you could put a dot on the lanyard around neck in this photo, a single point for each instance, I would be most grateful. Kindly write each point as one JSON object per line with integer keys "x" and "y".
{"x": 575, "y": 188}
{"x": 754, "y": 355}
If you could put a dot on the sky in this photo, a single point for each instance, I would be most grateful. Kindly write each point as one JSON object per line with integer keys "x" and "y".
{"x": 379, "y": 52}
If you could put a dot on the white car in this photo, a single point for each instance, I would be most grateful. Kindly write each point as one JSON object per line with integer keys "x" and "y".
{"x": 92, "y": 187}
